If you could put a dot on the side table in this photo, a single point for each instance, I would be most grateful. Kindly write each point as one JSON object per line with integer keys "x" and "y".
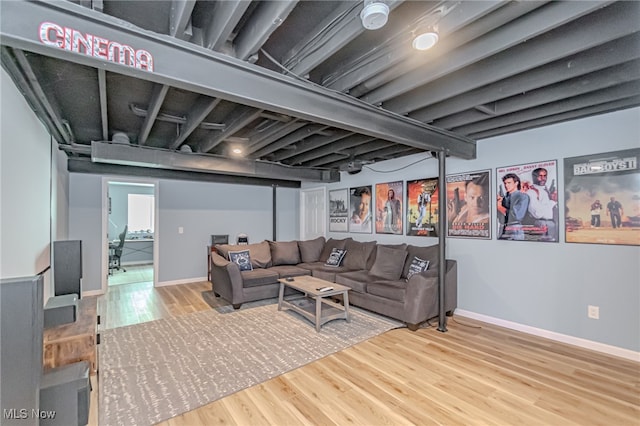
{"x": 76, "y": 341}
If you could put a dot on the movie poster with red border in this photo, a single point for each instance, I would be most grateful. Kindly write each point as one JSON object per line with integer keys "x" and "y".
{"x": 422, "y": 207}
{"x": 602, "y": 198}
{"x": 468, "y": 202}
{"x": 389, "y": 208}
{"x": 527, "y": 202}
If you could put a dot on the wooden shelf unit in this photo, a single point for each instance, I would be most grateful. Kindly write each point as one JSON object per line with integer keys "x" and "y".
{"x": 73, "y": 342}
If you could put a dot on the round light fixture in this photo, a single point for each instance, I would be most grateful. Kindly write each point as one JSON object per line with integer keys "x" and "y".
{"x": 425, "y": 41}
{"x": 374, "y": 15}
{"x": 237, "y": 151}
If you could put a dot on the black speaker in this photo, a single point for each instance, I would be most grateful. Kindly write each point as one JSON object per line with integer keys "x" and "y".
{"x": 67, "y": 267}
{"x": 219, "y": 239}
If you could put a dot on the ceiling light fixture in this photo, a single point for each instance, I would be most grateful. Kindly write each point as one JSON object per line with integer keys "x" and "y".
{"x": 374, "y": 15}
{"x": 425, "y": 40}
{"x": 237, "y": 151}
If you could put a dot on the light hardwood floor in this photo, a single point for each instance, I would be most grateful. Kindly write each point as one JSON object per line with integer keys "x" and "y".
{"x": 475, "y": 374}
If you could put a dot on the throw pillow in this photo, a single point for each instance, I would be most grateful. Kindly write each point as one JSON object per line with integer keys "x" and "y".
{"x": 357, "y": 254}
{"x": 330, "y": 245}
{"x": 336, "y": 256}
{"x": 311, "y": 250}
{"x": 284, "y": 252}
{"x": 417, "y": 265}
{"x": 242, "y": 259}
{"x": 389, "y": 263}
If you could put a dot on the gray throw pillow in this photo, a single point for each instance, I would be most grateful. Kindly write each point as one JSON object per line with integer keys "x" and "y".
{"x": 357, "y": 254}
{"x": 311, "y": 250}
{"x": 389, "y": 263}
{"x": 417, "y": 265}
{"x": 335, "y": 258}
{"x": 242, "y": 259}
{"x": 284, "y": 252}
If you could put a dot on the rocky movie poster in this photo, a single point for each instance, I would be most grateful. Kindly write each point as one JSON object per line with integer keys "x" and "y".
{"x": 468, "y": 196}
{"x": 422, "y": 207}
{"x": 602, "y": 198}
{"x": 338, "y": 210}
{"x": 527, "y": 202}
{"x": 389, "y": 208}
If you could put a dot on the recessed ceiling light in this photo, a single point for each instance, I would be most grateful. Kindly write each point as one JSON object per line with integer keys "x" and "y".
{"x": 425, "y": 40}
{"x": 237, "y": 151}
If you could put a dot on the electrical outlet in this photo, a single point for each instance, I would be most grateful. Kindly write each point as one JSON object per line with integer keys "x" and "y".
{"x": 593, "y": 312}
{"x": 180, "y": 230}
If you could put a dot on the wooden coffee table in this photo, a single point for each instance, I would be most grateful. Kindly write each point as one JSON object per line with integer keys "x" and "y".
{"x": 324, "y": 309}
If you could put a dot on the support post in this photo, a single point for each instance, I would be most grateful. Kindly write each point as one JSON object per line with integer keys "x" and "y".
{"x": 442, "y": 231}
{"x": 274, "y": 204}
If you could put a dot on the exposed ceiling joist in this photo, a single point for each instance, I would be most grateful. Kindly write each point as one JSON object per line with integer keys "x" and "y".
{"x": 129, "y": 155}
{"x": 243, "y": 82}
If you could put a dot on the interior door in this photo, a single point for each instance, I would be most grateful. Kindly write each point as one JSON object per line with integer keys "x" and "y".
{"x": 313, "y": 214}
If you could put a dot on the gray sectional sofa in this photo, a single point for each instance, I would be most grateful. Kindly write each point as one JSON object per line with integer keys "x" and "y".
{"x": 376, "y": 273}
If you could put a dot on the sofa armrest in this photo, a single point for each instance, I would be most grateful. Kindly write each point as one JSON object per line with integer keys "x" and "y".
{"x": 226, "y": 278}
{"x": 423, "y": 293}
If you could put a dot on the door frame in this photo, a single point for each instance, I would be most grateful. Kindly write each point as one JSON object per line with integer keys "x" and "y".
{"x": 303, "y": 217}
{"x": 105, "y": 225}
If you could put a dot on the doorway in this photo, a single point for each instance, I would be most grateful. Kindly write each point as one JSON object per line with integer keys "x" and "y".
{"x": 313, "y": 217}
{"x": 130, "y": 232}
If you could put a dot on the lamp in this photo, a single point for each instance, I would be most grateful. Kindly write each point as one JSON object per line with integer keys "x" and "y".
{"x": 374, "y": 15}
{"x": 425, "y": 40}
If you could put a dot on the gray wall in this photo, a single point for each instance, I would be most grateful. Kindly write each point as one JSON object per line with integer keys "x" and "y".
{"x": 542, "y": 285}
{"x": 201, "y": 209}
{"x": 33, "y": 189}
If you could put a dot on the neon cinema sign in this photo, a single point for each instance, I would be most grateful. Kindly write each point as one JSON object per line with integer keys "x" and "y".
{"x": 90, "y": 45}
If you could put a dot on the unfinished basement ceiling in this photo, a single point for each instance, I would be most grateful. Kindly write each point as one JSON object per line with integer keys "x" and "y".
{"x": 301, "y": 87}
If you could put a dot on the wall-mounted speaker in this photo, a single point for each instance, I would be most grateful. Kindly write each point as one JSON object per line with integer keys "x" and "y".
{"x": 67, "y": 267}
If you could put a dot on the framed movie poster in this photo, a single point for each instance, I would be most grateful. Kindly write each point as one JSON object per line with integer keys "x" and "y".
{"x": 389, "y": 208}
{"x": 468, "y": 196}
{"x": 422, "y": 207}
{"x": 527, "y": 202}
{"x": 602, "y": 198}
{"x": 360, "y": 210}
{"x": 338, "y": 210}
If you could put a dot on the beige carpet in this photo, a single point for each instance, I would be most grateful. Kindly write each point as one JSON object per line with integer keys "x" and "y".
{"x": 157, "y": 370}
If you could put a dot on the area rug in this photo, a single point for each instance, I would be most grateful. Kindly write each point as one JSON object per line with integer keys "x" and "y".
{"x": 153, "y": 371}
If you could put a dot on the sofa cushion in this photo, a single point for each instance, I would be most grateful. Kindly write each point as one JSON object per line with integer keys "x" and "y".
{"x": 417, "y": 265}
{"x": 358, "y": 253}
{"x": 289, "y": 271}
{"x": 242, "y": 259}
{"x": 260, "y": 252}
{"x": 392, "y": 290}
{"x": 336, "y": 257}
{"x": 389, "y": 263}
{"x": 330, "y": 245}
{"x": 311, "y": 266}
{"x": 284, "y": 252}
{"x": 311, "y": 250}
{"x": 328, "y": 273}
{"x": 259, "y": 277}
{"x": 427, "y": 253}
{"x": 357, "y": 280}
{"x": 372, "y": 258}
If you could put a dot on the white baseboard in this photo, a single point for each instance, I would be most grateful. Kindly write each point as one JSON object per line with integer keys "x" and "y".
{"x": 178, "y": 282}
{"x": 563, "y": 338}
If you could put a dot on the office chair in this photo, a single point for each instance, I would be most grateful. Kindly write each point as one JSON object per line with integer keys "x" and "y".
{"x": 115, "y": 252}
